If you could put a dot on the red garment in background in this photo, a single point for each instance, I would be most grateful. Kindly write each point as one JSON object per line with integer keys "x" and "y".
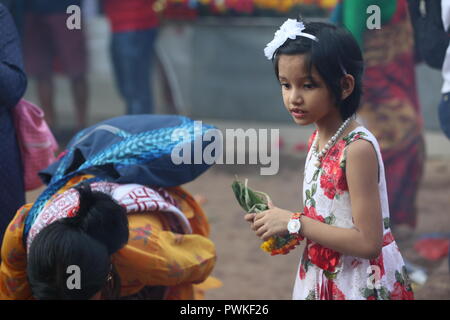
{"x": 131, "y": 15}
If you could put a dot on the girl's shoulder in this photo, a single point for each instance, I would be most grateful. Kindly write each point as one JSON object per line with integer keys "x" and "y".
{"x": 362, "y": 146}
{"x": 359, "y": 133}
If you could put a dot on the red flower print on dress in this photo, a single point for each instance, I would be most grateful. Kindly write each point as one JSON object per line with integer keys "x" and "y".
{"x": 302, "y": 272}
{"x": 402, "y": 289}
{"x": 327, "y": 184}
{"x": 312, "y": 213}
{"x": 334, "y": 155}
{"x": 333, "y": 178}
{"x": 401, "y": 292}
{"x": 336, "y": 294}
{"x": 356, "y": 262}
{"x": 330, "y": 291}
{"x": 324, "y": 258}
{"x": 378, "y": 262}
{"x": 387, "y": 239}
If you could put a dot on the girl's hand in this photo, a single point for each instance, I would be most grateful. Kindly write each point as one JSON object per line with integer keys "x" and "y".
{"x": 249, "y": 217}
{"x": 271, "y": 222}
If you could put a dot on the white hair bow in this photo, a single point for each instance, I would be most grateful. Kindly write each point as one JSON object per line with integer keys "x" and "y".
{"x": 289, "y": 30}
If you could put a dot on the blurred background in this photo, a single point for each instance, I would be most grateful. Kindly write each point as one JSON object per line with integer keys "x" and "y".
{"x": 206, "y": 61}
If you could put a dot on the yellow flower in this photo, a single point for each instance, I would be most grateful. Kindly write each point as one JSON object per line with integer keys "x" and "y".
{"x": 268, "y": 245}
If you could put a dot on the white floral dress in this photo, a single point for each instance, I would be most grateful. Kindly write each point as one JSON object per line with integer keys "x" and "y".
{"x": 325, "y": 274}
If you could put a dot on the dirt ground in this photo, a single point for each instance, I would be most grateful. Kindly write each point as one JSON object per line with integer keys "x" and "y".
{"x": 249, "y": 273}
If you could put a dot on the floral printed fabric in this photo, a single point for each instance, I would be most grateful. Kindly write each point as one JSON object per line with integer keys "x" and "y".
{"x": 325, "y": 274}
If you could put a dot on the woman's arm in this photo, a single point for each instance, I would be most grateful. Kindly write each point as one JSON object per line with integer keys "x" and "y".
{"x": 13, "y": 81}
{"x": 365, "y": 239}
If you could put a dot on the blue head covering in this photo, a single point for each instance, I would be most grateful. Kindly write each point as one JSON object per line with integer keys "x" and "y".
{"x": 127, "y": 149}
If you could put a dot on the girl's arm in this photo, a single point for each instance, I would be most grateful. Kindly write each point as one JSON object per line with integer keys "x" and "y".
{"x": 365, "y": 239}
{"x": 13, "y": 81}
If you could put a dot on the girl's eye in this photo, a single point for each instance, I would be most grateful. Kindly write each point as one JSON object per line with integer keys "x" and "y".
{"x": 309, "y": 86}
{"x": 285, "y": 85}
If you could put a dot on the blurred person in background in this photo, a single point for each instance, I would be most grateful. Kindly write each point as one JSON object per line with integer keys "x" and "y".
{"x": 13, "y": 83}
{"x": 432, "y": 17}
{"x": 50, "y": 45}
{"x": 16, "y": 8}
{"x": 134, "y": 25}
{"x": 444, "y": 106}
{"x": 390, "y": 106}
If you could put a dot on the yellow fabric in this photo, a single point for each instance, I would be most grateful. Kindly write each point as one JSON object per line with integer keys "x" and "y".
{"x": 154, "y": 256}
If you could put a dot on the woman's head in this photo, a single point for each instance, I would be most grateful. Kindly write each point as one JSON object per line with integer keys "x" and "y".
{"x": 79, "y": 246}
{"x": 334, "y": 58}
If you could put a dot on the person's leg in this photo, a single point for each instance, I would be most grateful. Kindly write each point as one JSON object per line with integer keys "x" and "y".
{"x": 132, "y": 54}
{"x": 45, "y": 90}
{"x": 444, "y": 114}
{"x": 118, "y": 40}
{"x": 38, "y": 57}
{"x": 71, "y": 50}
{"x": 80, "y": 96}
{"x": 144, "y": 68}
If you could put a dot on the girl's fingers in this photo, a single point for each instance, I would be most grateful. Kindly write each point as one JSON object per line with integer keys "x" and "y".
{"x": 257, "y": 223}
{"x": 266, "y": 236}
{"x": 270, "y": 205}
{"x": 260, "y": 232}
{"x": 249, "y": 217}
{"x": 260, "y": 215}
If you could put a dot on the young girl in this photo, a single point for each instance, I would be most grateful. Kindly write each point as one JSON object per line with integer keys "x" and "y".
{"x": 350, "y": 252}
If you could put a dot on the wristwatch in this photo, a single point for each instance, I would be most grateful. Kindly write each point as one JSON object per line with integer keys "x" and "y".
{"x": 294, "y": 225}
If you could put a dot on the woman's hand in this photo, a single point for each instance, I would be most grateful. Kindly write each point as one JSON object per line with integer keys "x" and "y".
{"x": 270, "y": 222}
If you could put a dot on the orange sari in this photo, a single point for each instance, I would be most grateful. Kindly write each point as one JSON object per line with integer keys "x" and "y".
{"x": 154, "y": 256}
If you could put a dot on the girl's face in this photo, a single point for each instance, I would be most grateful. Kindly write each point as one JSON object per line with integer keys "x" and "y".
{"x": 306, "y": 97}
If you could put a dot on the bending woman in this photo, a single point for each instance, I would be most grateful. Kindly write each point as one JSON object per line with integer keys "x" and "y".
{"x": 93, "y": 233}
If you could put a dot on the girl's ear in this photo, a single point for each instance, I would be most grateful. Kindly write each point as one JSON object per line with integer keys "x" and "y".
{"x": 347, "y": 85}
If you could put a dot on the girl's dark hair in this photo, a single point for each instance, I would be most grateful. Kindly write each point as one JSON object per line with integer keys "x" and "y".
{"x": 335, "y": 53}
{"x": 85, "y": 241}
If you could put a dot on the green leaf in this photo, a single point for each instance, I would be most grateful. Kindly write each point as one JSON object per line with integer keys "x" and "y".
{"x": 387, "y": 223}
{"x": 330, "y": 275}
{"x": 404, "y": 272}
{"x": 398, "y": 277}
{"x": 305, "y": 265}
{"x": 312, "y": 202}
{"x": 308, "y": 194}
{"x": 384, "y": 293}
{"x": 330, "y": 219}
{"x": 311, "y": 295}
{"x": 313, "y": 189}
{"x": 249, "y": 200}
{"x": 281, "y": 241}
{"x": 316, "y": 175}
{"x": 368, "y": 292}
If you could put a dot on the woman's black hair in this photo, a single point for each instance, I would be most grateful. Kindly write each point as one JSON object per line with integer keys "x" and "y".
{"x": 84, "y": 242}
{"x": 335, "y": 54}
